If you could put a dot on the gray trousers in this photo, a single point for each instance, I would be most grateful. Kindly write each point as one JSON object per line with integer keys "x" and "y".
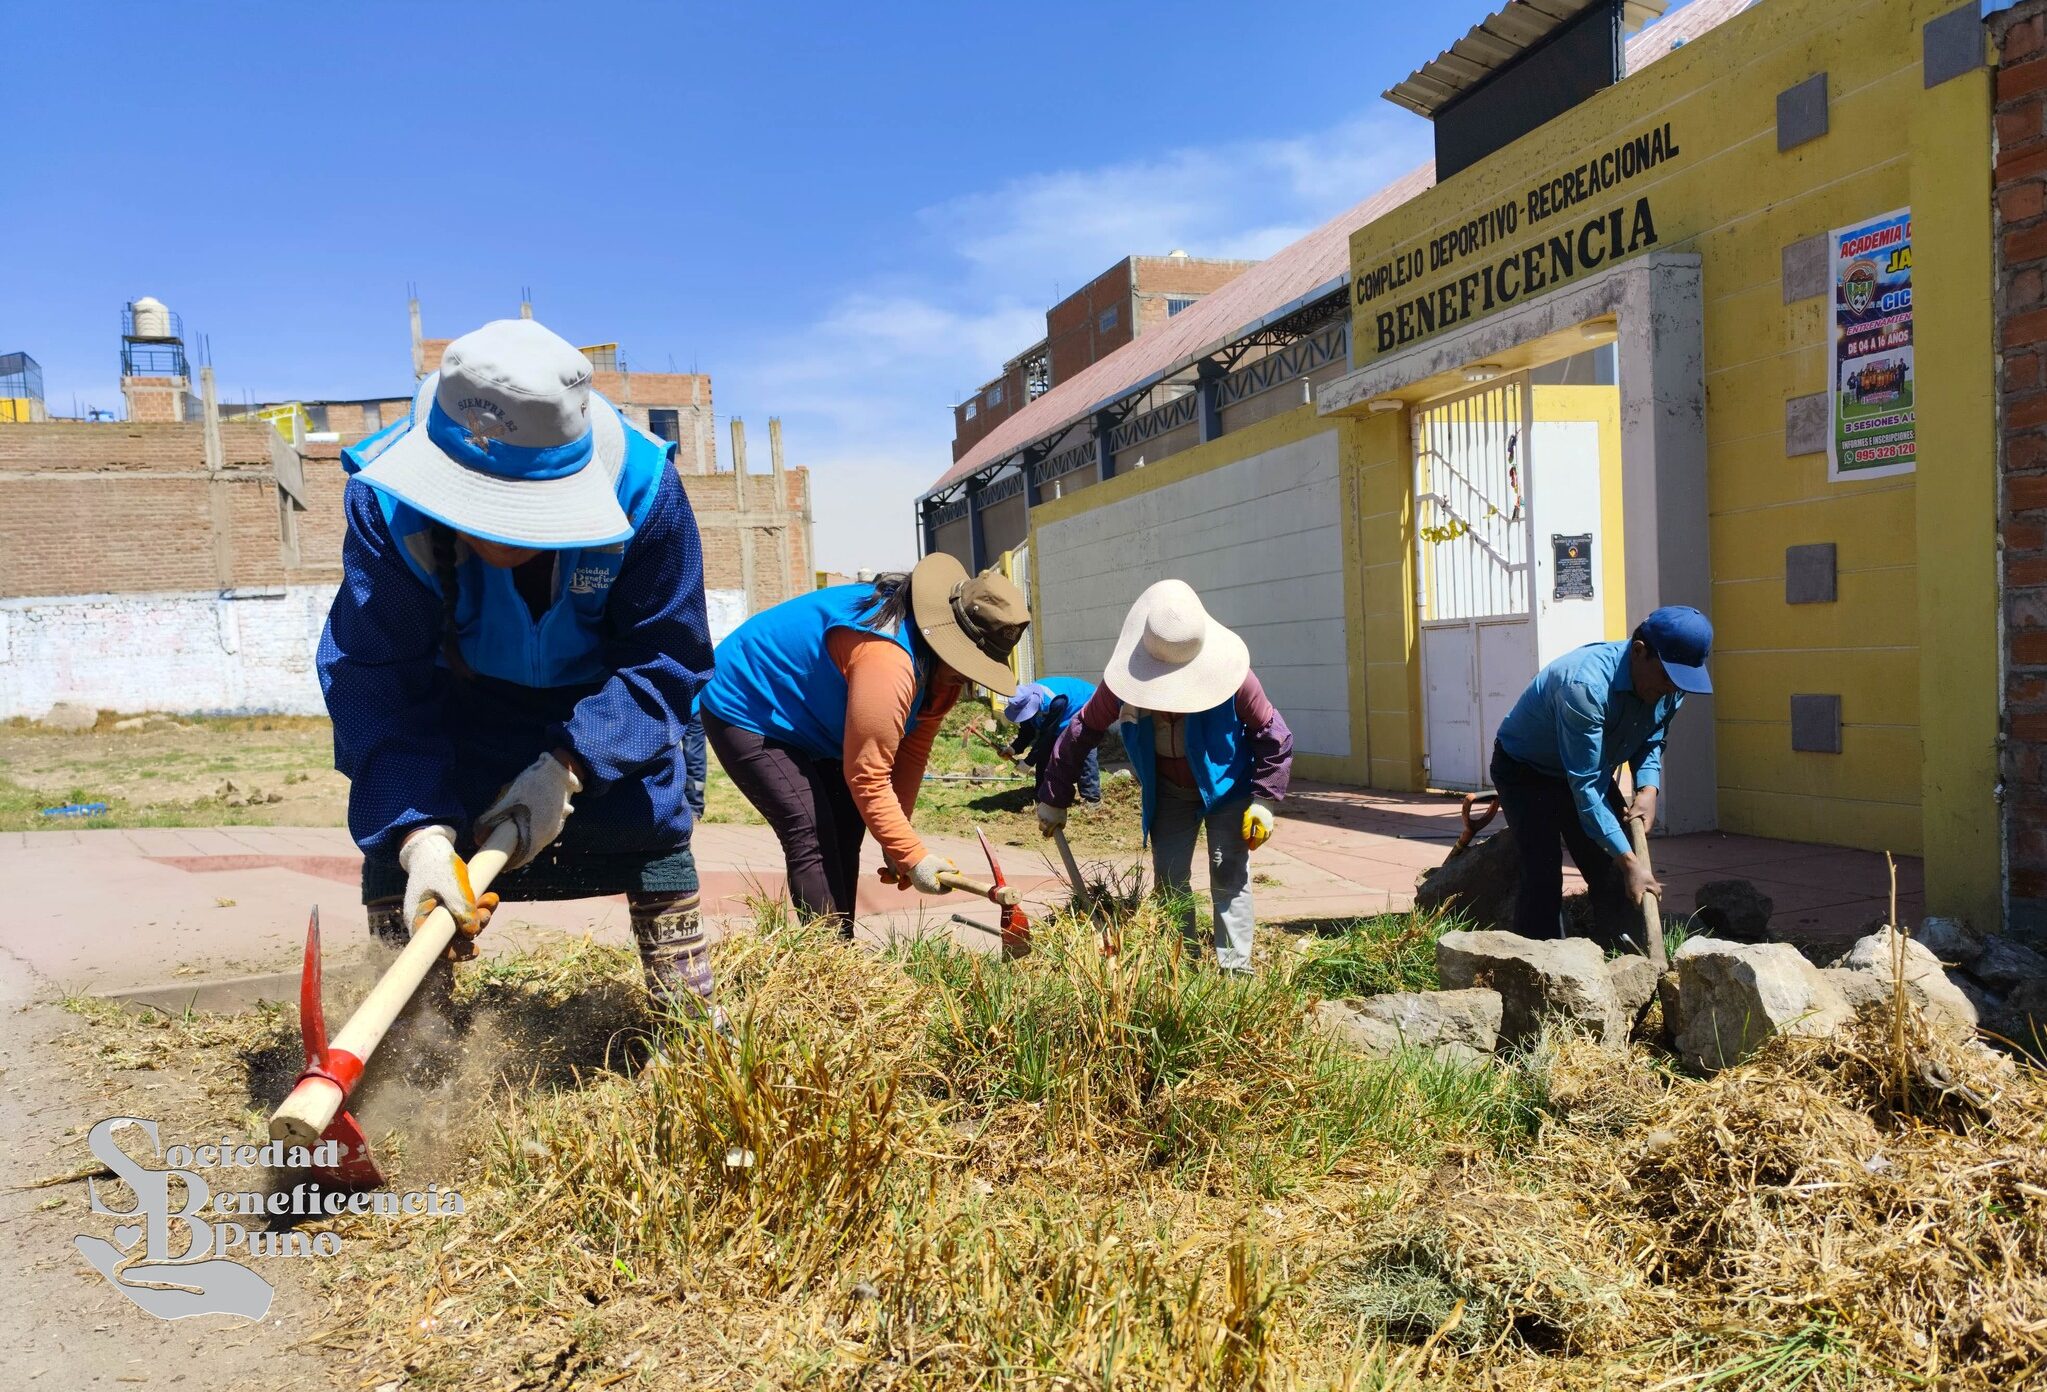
{"x": 1176, "y": 821}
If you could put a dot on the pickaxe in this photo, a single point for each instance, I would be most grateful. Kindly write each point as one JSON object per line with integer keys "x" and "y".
{"x": 315, "y": 1110}
{"x": 1015, "y": 929}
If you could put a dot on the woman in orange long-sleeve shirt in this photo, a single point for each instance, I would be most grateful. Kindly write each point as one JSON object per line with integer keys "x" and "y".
{"x": 823, "y": 710}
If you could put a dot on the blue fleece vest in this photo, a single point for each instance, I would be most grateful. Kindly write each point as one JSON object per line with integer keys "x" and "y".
{"x": 775, "y": 677}
{"x": 1216, "y": 752}
{"x": 497, "y": 632}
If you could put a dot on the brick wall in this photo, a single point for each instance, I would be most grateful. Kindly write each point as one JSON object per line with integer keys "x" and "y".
{"x": 2020, "y": 190}
{"x": 712, "y": 497}
{"x": 966, "y": 432}
{"x": 155, "y": 399}
{"x": 1074, "y": 336}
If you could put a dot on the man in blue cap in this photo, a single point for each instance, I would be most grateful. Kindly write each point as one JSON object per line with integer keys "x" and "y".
{"x": 1586, "y": 714}
{"x": 1040, "y": 710}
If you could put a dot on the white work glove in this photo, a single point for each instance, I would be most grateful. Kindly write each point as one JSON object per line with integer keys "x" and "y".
{"x": 435, "y": 877}
{"x": 1257, "y": 825}
{"x": 924, "y": 874}
{"x": 1050, "y": 818}
{"x": 536, "y": 803}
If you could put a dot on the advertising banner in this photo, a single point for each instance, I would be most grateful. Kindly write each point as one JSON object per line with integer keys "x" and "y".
{"x": 1872, "y": 431}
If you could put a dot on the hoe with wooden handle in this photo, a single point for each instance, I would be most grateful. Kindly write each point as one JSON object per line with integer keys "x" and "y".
{"x": 314, "y": 1111}
{"x": 1652, "y": 907}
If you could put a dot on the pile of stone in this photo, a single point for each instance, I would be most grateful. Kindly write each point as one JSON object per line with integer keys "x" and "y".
{"x": 1716, "y": 1005}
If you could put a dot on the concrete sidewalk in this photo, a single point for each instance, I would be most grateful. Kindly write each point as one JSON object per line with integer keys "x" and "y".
{"x": 109, "y": 910}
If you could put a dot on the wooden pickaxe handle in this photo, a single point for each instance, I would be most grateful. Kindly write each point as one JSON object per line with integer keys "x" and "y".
{"x": 1652, "y": 907}
{"x": 313, "y": 1103}
{"x": 1001, "y": 895}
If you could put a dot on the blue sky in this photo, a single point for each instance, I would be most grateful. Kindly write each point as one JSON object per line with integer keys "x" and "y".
{"x": 848, "y": 216}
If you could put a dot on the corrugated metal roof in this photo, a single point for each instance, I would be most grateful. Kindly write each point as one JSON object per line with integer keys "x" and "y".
{"x": 1224, "y": 315}
{"x": 1495, "y": 42}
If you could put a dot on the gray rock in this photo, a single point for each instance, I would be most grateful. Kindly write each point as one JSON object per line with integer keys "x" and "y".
{"x": 1730, "y": 997}
{"x": 70, "y": 715}
{"x": 1950, "y": 939}
{"x": 1560, "y": 978}
{"x": 2020, "y": 1020}
{"x": 1943, "y": 1003}
{"x": 1735, "y": 910}
{"x": 2004, "y": 965}
{"x": 1480, "y": 886}
{"x": 1634, "y": 985}
{"x": 1461, "y": 1025}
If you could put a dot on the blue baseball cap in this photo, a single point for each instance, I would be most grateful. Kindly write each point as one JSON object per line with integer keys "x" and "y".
{"x": 1028, "y": 701}
{"x": 1682, "y": 639}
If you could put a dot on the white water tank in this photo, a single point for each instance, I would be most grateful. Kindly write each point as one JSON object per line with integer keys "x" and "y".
{"x": 151, "y": 318}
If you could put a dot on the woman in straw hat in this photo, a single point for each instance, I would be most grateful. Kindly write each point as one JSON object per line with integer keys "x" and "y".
{"x": 1209, "y": 751}
{"x": 823, "y": 710}
{"x": 519, "y": 632}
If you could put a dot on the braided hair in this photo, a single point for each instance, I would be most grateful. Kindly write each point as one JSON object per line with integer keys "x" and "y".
{"x": 442, "y": 539}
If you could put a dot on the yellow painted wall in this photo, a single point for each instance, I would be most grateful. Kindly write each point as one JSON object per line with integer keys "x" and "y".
{"x": 1904, "y": 641}
{"x": 1231, "y": 448}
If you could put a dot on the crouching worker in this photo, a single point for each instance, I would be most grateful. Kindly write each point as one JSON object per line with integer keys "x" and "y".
{"x": 518, "y": 635}
{"x": 1040, "y": 710}
{"x": 823, "y": 711}
{"x": 1586, "y": 714}
{"x": 1209, "y": 751}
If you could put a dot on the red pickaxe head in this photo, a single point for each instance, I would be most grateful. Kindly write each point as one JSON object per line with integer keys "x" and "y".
{"x": 356, "y": 1169}
{"x": 1016, "y": 925}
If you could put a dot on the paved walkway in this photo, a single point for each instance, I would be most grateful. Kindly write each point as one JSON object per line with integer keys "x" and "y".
{"x": 108, "y": 910}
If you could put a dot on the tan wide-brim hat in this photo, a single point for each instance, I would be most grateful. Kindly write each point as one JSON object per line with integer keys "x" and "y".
{"x": 1172, "y": 657}
{"x": 972, "y": 622}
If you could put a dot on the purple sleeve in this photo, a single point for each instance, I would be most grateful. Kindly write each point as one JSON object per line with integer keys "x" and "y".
{"x": 1272, "y": 743}
{"x": 1080, "y": 737}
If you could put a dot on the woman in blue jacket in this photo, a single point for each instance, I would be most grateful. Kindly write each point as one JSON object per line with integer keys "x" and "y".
{"x": 518, "y": 637}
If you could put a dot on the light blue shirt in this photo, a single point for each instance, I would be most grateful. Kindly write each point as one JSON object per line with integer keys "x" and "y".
{"x": 1580, "y": 720}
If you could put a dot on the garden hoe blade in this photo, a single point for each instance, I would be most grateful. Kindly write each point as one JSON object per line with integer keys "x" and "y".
{"x": 357, "y": 1168}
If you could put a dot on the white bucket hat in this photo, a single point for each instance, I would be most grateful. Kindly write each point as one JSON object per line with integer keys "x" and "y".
{"x": 508, "y": 443}
{"x": 1172, "y": 657}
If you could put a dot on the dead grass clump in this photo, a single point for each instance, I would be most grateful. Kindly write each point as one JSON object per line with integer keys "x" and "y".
{"x": 1793, "y": 1188}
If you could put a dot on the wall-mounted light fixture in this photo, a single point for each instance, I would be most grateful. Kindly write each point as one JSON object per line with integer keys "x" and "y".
{"x": 1482, "y": 372}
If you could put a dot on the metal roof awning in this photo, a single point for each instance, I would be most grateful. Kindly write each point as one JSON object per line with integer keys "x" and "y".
{"x": 1495, "y": 43}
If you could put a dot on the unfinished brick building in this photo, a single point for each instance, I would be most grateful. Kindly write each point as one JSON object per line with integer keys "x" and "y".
{"x": 216, "y": 544}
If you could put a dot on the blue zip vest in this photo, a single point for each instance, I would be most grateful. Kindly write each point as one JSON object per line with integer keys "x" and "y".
{"x": 1077, "y": 692}
{"x": 775, "y": 677}
{"x": 497, "y": 632}
{"x": 1216, "y": 752}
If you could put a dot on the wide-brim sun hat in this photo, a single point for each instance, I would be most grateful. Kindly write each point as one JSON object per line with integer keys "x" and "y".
{"x": 1030, "y": 698}
{"x": 1172, "y": 657}
{"x": 509, "y": 444}
{"x": 973, "y": 622}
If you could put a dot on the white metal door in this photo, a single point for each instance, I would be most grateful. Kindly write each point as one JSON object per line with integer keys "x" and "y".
{"x": 1473, "y": 546}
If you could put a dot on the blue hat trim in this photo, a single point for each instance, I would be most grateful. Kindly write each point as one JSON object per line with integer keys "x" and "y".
{"x": 502, "y": 460}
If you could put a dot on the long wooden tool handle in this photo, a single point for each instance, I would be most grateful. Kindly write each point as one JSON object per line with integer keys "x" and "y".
{"x": 1652, "y": 907}
{"x": 1003, "y": 895}
{"x": 1074, "y": 879}
{"x": 310, "y": 1108}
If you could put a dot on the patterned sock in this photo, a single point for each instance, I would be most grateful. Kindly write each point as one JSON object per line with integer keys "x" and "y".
{"x": 674, "y": 953}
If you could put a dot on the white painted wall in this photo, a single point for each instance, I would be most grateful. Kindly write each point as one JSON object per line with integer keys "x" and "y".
{"x": 194, "y": 652}
{"x": 1565, "y": 455}
{"x": 1261, "y": 540}
{"x": 726, "y": 610}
